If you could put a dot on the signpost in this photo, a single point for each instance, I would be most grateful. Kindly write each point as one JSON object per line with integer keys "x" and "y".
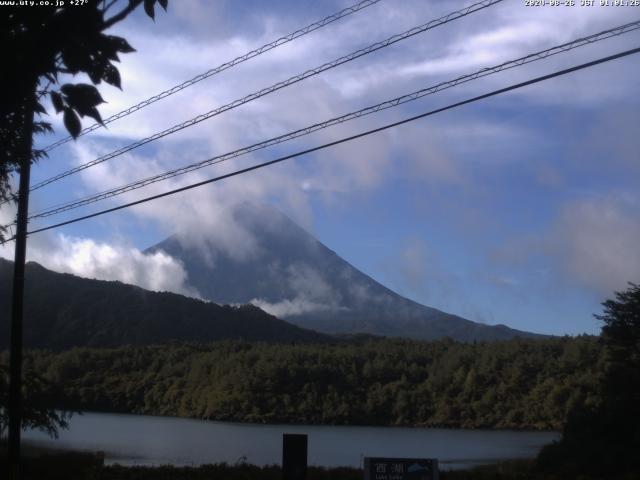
{"x": 294, "y": 456}
{"x": 400, "y": 468}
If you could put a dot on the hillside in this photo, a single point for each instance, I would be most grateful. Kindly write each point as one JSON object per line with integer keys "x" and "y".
{"x": 64, "y": 311}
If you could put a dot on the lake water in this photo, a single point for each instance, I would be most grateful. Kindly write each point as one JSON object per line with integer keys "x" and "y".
{"x": 147, "y": 440}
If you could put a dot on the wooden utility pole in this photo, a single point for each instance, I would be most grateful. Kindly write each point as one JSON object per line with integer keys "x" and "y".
{"x": 17, "y": 300}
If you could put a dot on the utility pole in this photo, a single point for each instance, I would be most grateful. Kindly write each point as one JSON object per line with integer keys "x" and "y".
{"x": 17, "y": 300}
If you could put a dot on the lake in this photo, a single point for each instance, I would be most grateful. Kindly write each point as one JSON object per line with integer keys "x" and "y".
{"x": 147, "y": 440}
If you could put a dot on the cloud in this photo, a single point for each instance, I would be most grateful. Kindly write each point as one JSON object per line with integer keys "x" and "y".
{"x": 310, "y": 292}
{"x": 290, "y": 307}
{"x": 426, "y": 160}
{"x": 104, "y": 261}
{"x": 613, "y": 122}
{"x": 163, "y": 61}
{"x": 87, "y": 258}
{"x": 482, "y": 49}
{"x": 202, "y": 216}
{"x": 597, "y": 243}
{"x": 591, "y": 242}
{"x": 461, "y": 157}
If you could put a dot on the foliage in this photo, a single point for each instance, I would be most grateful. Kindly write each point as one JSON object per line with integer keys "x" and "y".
{"x": 85, "y": 465}
{"x": 69, "y": 40}
{"x": 604, "y": 438}
{"x": 38, "y": 395}
{"x": 222, "y": 471}
{"x": 512, "y": 384}
{"x": 81, "y": 465}
{"x": 621, "y": 335}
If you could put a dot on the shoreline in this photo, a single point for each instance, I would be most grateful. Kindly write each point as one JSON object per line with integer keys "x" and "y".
{"x": 310, "y": 424}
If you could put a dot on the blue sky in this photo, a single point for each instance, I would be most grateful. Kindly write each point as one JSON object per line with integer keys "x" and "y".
{"x": 521, "y": 209}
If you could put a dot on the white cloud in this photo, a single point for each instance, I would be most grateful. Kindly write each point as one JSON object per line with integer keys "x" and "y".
{"x": 486, "y": 37}
{"x": 87, "y": 258}
{"x": 104, "y": 261}
{"x": 597, "y": 243}
{"x": 591, "y": 243}
{"x": 311, "y": 293}
{"x": 289, "y": 307}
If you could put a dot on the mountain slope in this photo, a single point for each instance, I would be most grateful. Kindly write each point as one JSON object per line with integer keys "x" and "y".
{"x": 292, "y": 275}
{"x": 63, "y": 311}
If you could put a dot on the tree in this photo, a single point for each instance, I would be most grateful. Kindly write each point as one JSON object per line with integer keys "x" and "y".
{"x": 39, "y": 394}
{"x": 621, "y": 335}
{"x": 40, "y": 42}
{"x": 605, "y": 439}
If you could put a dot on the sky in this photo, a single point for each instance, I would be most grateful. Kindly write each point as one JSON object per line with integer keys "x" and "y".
{"x": 522, "y": 209}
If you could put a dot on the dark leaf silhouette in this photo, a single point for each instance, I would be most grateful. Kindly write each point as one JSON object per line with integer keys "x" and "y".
{"x": 72, "y": 122}
{"x": 42, "y": 127}
{"x": 82, "y": 95}
{"x": 148, "y": 8}
{"x": 40, "y": 109}
{"x": 39, "y": 154}
{"x": 120, "y": 44}
{"x": 96, "y": 71}
{"x": 95, "y": 114}
{"x": 112, "y": 76}
{"x": 56, "y": 100}
{"x": 108, "y": 48}
{"x": 76, "y": 60}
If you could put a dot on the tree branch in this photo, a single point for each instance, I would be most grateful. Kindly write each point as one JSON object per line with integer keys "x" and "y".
{"x": 106, "y": 7}
{"x": 121, "y": 15}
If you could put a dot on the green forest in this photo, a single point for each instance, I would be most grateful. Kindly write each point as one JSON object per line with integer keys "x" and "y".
{"x": 521, "y": 384}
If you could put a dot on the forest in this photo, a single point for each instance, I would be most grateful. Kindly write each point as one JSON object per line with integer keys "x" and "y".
{"x": 519, "y": 384}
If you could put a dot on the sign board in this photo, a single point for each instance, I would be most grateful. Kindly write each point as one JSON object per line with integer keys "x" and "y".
{"x": 400, "y": 468}
{"x": 294, "y": 456}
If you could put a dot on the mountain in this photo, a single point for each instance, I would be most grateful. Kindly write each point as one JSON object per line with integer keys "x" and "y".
{"x": 288, "y": 272}
{"x": 64, "y": 311}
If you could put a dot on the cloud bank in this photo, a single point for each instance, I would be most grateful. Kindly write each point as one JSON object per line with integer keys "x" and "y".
{"x": 115, "y": 260}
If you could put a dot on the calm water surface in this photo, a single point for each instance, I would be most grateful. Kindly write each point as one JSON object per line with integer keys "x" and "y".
{"x": 147, "y": 440}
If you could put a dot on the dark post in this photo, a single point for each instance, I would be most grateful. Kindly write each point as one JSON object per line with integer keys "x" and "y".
{"x": 15, "y": 365}
{"x": 294, "y": 456}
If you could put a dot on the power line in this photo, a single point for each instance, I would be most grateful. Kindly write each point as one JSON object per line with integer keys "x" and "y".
{"x": 343, "y": 140}
{"x": 277, "y": 86}
{"x": 612, "y": 32}
{"x": 225, "y": 66}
